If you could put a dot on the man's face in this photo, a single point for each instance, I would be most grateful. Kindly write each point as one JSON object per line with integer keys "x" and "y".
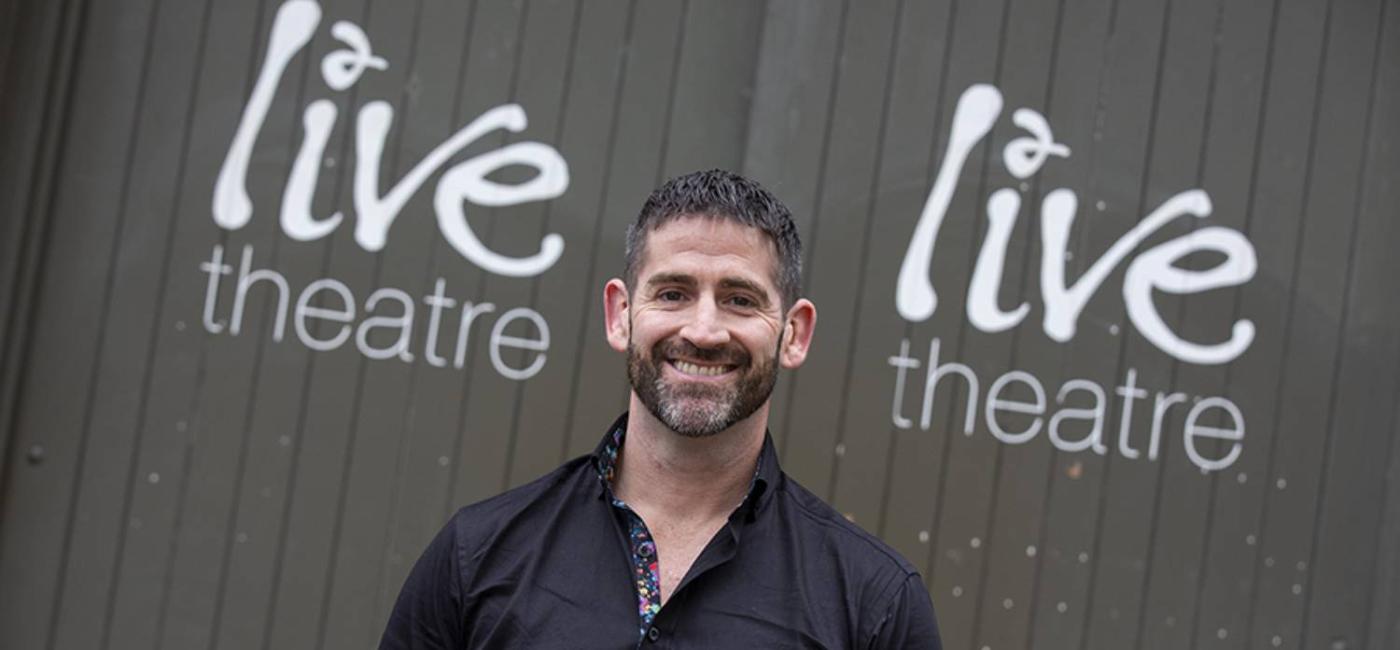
{"x": 705, "y": 325}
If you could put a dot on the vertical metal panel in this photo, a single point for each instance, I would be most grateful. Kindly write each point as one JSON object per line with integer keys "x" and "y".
{"x": 38, "y": 72}
{"x": 9, "y": 13}
{"x": 1031, "y": 40}
{"x": 14, "y": 159}
{"x": 909, "y": 156}
{"x": 141, "y": 262}
{"x": 1346, "y": 519}
{"x": 1284, "y": 154}
{"x": 65, "y": 348}
{"x": 429, "y": 418}
{"x": 1149, "y": 527}
{"x": 321, "y": 440}
{"x": 1183, "y": 131}
{"x": 247, "y": 561}
{"x": 169, "y": 505}
{"x": 1382, "y": 622}
{"x": 638, "y": 151}
{"x": 543, "y": 65}
{"x": 589, "y": 135}
{"x": 710, "y": 81}
{"x": 541, "y": 426}
{"x": 350, "y": 594}
{"x": 1080, "y": 97}
{"x": 1208, "y": 539}
{"x": 1229, "y": 568}
{"x": 1066, "y": 535}
{"x": 226, "y": 394}
{"x": 1131, "y": 96}
{"x": 244, "y": 555}
{"x": 1307, "y": 399}
{"x": 834, "y": 255}
{"x": 970, "y": 458}
{"x": 787, "y": 141}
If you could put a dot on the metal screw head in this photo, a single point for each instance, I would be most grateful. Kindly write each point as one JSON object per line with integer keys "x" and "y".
{"x": 35, "y": 455}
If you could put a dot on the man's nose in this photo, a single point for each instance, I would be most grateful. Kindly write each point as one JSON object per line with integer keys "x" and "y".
{"x": 706, "y": 328}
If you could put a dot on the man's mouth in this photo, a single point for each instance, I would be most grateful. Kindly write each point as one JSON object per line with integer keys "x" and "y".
{"x": 700, "y": 370}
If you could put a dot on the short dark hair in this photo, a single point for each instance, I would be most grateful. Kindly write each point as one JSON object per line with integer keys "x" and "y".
{"x": 719, "y": 194}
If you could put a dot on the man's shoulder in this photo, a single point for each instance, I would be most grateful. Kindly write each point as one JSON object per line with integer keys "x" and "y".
{"x": 479, "y": 522}
{"x": 854, "y": 544}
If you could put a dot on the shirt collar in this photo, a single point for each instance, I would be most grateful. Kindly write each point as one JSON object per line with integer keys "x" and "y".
{"x": 766, "y": 474}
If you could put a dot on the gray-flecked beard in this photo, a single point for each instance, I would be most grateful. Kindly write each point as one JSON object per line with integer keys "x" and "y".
{"x": 699, "y": 409}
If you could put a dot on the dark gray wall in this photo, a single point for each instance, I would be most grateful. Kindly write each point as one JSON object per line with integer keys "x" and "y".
{"x": 168, "y": 483}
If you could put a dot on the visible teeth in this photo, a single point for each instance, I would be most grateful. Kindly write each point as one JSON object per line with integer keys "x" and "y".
{"x": 695, "y": 369}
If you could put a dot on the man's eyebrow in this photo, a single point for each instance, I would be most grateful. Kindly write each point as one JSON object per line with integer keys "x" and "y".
{"x": 671, "y": 278}
{"x": 742, "y": 283}
{"x": 745, "y": 284}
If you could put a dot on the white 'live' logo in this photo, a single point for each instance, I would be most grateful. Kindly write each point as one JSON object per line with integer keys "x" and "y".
{"x": 468, "y": 180}
{"x": 915, "y": 298}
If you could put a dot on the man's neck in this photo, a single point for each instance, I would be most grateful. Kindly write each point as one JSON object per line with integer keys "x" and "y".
{"x": 685, "y": 479}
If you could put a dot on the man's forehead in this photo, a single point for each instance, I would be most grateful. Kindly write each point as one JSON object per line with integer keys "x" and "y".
{"x": 709, "y": 223}
{"x": 718, "y": 236}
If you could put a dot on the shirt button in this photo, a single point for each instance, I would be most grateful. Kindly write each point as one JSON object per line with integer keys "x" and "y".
{"x": 646, "y": 549}
{"x": 653, "y": 634}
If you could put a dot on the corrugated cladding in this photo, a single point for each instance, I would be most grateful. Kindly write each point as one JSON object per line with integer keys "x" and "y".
{"x": 199, "y": 453}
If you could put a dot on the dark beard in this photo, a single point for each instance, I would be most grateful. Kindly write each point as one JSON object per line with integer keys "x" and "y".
{"x": 698, "y": 410}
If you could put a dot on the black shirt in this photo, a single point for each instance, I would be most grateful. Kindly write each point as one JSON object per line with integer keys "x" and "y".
{"x": 549, "y": 565}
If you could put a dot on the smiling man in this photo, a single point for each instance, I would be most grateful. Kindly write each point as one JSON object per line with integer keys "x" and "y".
{"x": 680, "y": 530}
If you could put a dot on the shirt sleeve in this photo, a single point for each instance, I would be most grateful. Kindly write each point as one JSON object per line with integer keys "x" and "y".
{"x": 910, "y": 622}
{"x": 428, "y": 613}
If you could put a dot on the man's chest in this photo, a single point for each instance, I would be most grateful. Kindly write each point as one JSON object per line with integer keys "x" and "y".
{"x": 677, "y": 548}
{"x": 585, "y": 597}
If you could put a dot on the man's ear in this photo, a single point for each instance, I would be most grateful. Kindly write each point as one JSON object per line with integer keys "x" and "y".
{"x": 616, "y": 318}
{"x": 797, "y": 334}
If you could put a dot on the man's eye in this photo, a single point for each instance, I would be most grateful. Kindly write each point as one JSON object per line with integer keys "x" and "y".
{"x": 670, "y": 295}
{"x": 742, "y": 301}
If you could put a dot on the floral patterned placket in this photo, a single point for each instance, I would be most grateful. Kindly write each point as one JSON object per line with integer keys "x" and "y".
{"x": 645, "y": 573}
